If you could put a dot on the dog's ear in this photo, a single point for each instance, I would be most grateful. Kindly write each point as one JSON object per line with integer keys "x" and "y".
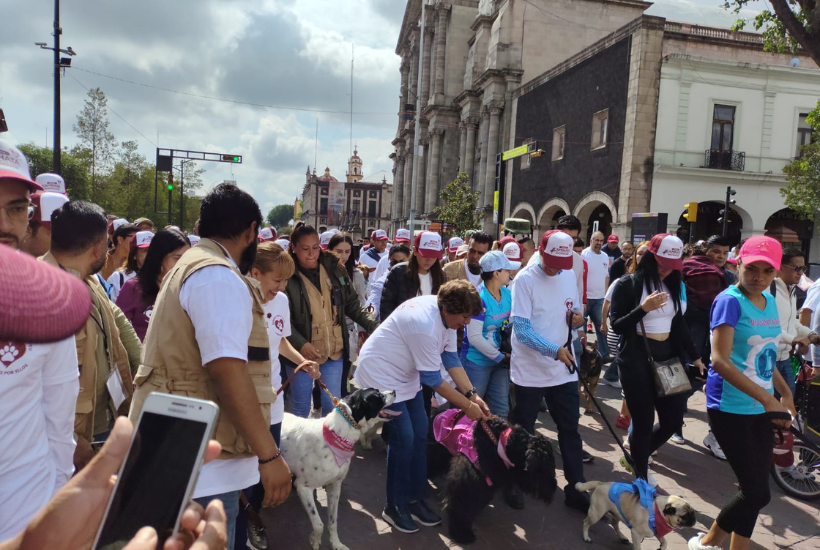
{"x": 669, "y": 510}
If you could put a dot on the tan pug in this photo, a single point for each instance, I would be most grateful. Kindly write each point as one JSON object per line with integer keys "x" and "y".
{"x": 676, "y": 512}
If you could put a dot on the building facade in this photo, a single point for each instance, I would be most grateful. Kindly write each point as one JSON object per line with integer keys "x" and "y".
{"x": 361, "y": 208}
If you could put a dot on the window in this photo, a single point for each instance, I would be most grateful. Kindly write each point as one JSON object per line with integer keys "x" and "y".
{"x": 324, "y": 191}
{"x": 323, "y": 206}
{"x": 357, "y": 206}
{"x": 559, "y": 136}
{"x": 600, "y": 124}
{"x": 803, "y": 134}
{"x": 357, "y": 193}
{"x": 723, "y": 127}
{"x": 373, "y": 194}
{"x": 371, "y": 209}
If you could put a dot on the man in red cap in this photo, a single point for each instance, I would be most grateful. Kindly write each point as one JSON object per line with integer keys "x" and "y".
{"x": 38, "y": 235}
{"x": 543, "y": 297}
{"x": 612, "y": 249}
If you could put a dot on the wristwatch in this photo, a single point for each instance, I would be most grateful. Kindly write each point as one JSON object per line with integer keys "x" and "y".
{"x": 469, "y": 393}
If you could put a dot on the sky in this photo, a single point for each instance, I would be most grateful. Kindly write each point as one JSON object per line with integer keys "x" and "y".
{"x": 291, "y": 58}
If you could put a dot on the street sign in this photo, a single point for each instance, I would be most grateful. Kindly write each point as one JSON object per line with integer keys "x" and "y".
{"x": 495, "y": 207}
{"x": 517, "y": 152}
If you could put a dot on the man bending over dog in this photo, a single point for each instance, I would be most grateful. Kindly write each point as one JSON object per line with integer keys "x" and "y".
{"x": 408, "y": 349}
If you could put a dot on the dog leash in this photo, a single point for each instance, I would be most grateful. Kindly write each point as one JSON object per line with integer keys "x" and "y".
{"x": 483, "y": 423}
{"x": 333, "y": 398}
{"x": 573, "y": 369}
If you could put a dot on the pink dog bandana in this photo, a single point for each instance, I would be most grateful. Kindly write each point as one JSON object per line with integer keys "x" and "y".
{"x": 341, "y": 448}
{"x": 502, "y": 448}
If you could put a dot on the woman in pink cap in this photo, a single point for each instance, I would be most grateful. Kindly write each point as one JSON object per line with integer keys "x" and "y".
{"x": 739, "y": 390}
{"x": 647, "y": 312}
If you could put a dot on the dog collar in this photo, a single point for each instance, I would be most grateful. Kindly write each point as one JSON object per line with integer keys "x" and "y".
{"x": 502, "y": 448}
{"x": 341, "y": 448}
{"x": 347, "y": 417}
{"x": 661, "y": 527}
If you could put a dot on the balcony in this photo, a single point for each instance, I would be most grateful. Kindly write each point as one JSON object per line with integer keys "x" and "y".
{"x": 725, "y": 160}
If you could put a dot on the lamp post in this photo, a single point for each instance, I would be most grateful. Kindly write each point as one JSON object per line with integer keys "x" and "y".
{"x": 59, "y": 63}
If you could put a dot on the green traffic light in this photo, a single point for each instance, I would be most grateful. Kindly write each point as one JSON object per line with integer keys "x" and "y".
{"x": 236, "y": 159}
{"x": 170, "y": 187}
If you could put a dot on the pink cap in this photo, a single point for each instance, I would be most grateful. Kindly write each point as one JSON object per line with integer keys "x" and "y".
{"x": 428, "y": 245}
{"x": 379, "y": 235}
{"x": 556, "y": 249}
{"x": 512, "y": 251}
{"x": 453, "y": 244}
{"x": 142, "y": 239}
{"x": 668, "y": 251}
{"x": 761, "y": 249}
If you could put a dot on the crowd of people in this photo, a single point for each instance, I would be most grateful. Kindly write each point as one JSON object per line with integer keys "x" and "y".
{"x": 493, "y": 327}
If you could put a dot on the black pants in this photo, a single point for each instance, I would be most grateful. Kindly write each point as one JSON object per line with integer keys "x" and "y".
{"x": 639, "y": 391}
{"x": 747, "y": 441}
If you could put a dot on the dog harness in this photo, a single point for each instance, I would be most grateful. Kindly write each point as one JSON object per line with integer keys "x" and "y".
{"x": 341, "y": 448}
{"x": 646, "y": 497}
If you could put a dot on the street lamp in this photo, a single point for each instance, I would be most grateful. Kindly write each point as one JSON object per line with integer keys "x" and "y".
{"x": 59, "y": 63}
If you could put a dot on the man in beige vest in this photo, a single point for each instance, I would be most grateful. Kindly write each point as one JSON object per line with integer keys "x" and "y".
{"x": 108, "y": 349}
{"x": 208, "y": 339}
{"x": 469, "y": 269}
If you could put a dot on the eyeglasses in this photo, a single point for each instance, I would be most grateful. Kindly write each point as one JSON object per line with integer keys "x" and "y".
{"x": 19, "y": 211}
{"x": 797, "y": 268}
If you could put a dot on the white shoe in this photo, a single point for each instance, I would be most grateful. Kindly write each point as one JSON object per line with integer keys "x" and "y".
{"x": 626, "y": 444}
{"x": 650, "y": 479}
{"x": 711, "y": 443}
{"x": 614, "y": 383}
{"x": 694, "y": 543}
{"x": 677, "y": 439}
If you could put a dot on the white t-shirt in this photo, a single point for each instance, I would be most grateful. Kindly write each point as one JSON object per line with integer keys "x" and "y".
{"x": 220, "y": 307}
{"x": 597, "y": 273}
{"x": 544, "y": 301}
{"x": 412, "y": 339}
{"x": 425, "y": 284}
{"x": 277, "y": 314}
{"x": 577, "y": 269}
{"x": 659, "y": 321}
{"x": 39, "y": 384}
{"x": 381, "y": 269}
{"x": 117, "y": 280}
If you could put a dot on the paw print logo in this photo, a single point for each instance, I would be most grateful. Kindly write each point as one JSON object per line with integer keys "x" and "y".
{"x": 11, "y": 352}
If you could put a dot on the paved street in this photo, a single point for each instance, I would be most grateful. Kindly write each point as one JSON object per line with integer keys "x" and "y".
{"x": 685, "y": 470}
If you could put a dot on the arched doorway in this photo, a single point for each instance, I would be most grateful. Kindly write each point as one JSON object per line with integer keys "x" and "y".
{"x": 707, "y": 224}
{"x": 791, "y": 228}
{"x": 549, "y": 214}
{"x": 600, "y": 219}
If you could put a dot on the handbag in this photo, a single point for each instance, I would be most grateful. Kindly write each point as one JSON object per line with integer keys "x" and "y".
{"x": 670, "y": 377}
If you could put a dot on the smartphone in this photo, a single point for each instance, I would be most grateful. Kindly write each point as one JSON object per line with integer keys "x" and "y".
{"x": 159, "y": 473}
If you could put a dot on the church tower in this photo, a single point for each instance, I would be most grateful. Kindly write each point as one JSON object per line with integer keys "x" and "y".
{"x": 354, "y": 168}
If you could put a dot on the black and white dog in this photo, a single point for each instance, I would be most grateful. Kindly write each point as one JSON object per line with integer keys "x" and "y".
{"x": 319, "y": 452}
{"x": 511, "y": 457}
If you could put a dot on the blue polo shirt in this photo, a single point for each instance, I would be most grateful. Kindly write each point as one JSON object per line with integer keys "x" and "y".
{"x": 493, "y": 314}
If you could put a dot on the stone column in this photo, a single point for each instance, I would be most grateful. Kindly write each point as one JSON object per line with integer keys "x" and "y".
{"x": 441, "y": 47}
{"x": 492, "y": 150}
{"x": 462, "y": 146}
{"x": 398, "y": 185}
{"x": 405, "y": 81}
{"x": 469, "y": 151}
{"x": 424, "y": 145}
{"x": 425, "y": 67}
{"x": 478, "y": 185}
{"x": 408, "y": 182}
{"x": 414, "y": 69}
{"x": 433, "y": 174}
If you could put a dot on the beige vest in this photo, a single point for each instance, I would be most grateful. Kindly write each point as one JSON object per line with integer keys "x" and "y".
{"x": 87, "y": 341}
{"x": 171, "y": 362}
{"x": 326, "y": 334}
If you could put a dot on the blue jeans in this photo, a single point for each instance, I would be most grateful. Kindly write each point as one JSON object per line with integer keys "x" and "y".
{"x": 256, "y": 495}
{"x": 594, "y": 307}
{"x": 563, "y": 403}
{"x": 787, "y": 372}
{"x": 407, "y": 452}
{"x": 231, "y": 503}
{"x": 301, "y": 388}
{"x": 492, "y": 384}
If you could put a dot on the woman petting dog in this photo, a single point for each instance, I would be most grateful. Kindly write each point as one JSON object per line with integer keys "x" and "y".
{"x": 408, "y": 349}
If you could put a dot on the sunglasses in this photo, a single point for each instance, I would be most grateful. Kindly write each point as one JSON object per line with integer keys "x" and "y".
{"x": 797, "y": 268}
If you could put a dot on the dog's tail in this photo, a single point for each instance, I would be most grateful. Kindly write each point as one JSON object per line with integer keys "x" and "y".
{"x": 588, "y": 486}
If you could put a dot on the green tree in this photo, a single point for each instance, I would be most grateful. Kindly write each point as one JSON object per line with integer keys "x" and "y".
{"x": 458, "y": 205}
{"x": 280, "y": 216}
{"x": 802, "y": 192}
{"x": 75, "y": 168}
{"x": 789, "y": 24}
{"x": 92, "y": 130}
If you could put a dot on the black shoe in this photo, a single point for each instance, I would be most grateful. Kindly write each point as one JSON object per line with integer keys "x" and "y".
{"x": 399, "y": 519}
{"x": 586, "y": 457}
{"x": 576, "y": 499}
{"x": 257, "y": 537}
{"x": 514, "y": 497}
{"x": 543, "y": 405}
{"x": 422, "y": 514}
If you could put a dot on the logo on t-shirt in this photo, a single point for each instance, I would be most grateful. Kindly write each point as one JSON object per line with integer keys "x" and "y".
{"x": 10, "y": 353}
{"x": 148, "y": 312}
{"x": 278, "y": 324}
{"x": 568, "y": 303}
{"x": 761, "y": 359}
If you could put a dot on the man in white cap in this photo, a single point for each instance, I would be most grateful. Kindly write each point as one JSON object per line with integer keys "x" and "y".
{"x": 513, "y": 252}
{"x": 372, "y": 256}
{"x": 39, "y": 386}
{"x": 120, "y": 233}
{"x": 52, "y": 183}
{"x": 545, "y": 302}
{"x": 402, "y": 237}
{"x": 38, "y": 235}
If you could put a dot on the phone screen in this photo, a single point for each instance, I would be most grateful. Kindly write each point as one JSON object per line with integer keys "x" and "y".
{"x": 154, "y": 479}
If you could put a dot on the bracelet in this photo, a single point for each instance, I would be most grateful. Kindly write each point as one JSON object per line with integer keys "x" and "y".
{"x": 469, "y": 393}
{"x": 271, "y": 459}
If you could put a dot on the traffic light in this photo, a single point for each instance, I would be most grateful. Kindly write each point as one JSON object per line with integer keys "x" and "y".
{"x": 691, "y": 212}
{"x": 170, "y": 181}
{"x": 724, "y": 212}
{"x": 231, "y": 158}
{"x": 722, "y": 217}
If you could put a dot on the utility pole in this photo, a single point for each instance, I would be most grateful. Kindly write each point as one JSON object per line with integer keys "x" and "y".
{"x": 724, "y": 214}
{"x": 57, "y": 164}
{"x": 417, "y": 133}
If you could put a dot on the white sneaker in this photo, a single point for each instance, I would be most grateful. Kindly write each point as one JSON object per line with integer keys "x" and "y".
{"x": 694, "y": 543}
{"x": 677, "y": 439}
{"x": 626, "y": 444}
{"x": 711, "y": 443}
{"x": 650, "y": 479}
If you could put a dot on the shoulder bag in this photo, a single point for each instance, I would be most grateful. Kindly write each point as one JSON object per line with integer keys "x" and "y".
{"x": 670, "y": 377}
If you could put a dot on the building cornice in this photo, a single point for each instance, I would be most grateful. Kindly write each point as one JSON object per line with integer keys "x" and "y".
{"x": 498, "y": 75}
{"x": 739, "y": 68}
{"x": 702, "y": 174}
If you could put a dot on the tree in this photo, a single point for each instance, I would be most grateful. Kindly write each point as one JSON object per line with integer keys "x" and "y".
{"x": 458, "y": 205}
{"x": 75, "y": 168}
{"x": 92, "y": 129}
{"x": 280, "y": 216}
{"x": 802, "y": 193}
{"x": 788, "y": 25}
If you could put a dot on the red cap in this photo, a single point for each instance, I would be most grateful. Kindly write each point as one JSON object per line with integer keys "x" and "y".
{"x": 612, "y": 238}
{"x": 428, "y": 245}
{"x": 668, "y": 251}
{"x": 761, "y": 249}
{"x": 556, "y": 249}
{"x": 505, "y": 240}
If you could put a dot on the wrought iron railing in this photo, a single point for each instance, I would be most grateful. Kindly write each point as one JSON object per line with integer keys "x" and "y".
{"x": 725, "y": 160}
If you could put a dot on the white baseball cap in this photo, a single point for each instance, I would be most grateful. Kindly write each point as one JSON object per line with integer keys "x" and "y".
{"x": 403, "y": 235}
{"x": 142, "y": 239}
{"x": 334, "y": 231}
{"x": 119, "y": 222}
{"x": 379, "y": 235}
{"x": 428, "y": 245}
{"x": 267, "y": 234}
{"x": 284, "y": 243}
{"x": 556, "y": 247}
{"x": 324, "y": 239}
{"x": 51, "y": 182}
{"x": 454, "y": 243}
{"x": 512, "y": 251}
{"x": 46, "y": 203}
{"x": 14, "y": 166}
{"x": 193, "y": 239}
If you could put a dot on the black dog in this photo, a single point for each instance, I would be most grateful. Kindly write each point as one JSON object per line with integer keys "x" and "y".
{"x": 467, "y": 490}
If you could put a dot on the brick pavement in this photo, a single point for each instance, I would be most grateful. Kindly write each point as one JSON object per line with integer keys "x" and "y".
{"x": 681, "y": 469}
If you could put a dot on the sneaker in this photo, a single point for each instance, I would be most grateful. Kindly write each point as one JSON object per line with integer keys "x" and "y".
{"x": 613, "y": 383}
{"x": 422, "y": 514}
{"x": 399, "y": 519}
{"x": 257, "y": 537}
{"x": 711, "y": 443}
{"x": 576, "y": 499}
{"x": 694, "y": 543}
{"x": 626, "y": 444}
{"x": 677, "y": 439}
{"x": 650, "y": 479}
{"x": 543, "y": 405}
{"x": 622, "y": 422}
{"x": 514, "y": 497}
{"x": 586, "y": 457}
{"x": 627, "y": 466}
